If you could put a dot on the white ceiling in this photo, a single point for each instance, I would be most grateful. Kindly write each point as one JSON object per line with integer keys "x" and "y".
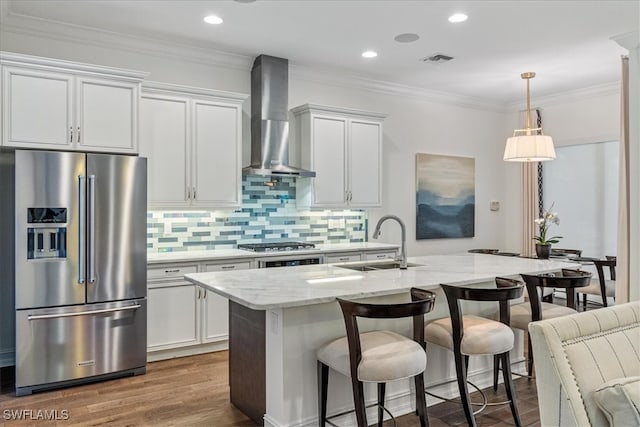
{"x": 567, "y": 43}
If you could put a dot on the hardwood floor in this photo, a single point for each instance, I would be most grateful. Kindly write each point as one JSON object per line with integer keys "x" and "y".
{"x": 194, "y": 391}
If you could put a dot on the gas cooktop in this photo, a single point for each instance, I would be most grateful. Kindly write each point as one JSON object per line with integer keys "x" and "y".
{"x": 275, "y": 247}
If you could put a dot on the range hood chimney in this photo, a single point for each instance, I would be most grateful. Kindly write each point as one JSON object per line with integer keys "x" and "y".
{"x": 269, "y": 119}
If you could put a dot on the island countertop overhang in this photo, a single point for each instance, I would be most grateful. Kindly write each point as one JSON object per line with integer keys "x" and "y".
{"x": 271, "y": 288}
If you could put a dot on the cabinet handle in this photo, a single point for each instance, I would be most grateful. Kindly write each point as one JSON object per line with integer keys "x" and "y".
{"x": 204, "y": 293}
{"x": 70, "y": 133}
{"x": 78, "y": 139}
{"x": 172, "y": 271}
{"x": 343, "y": 259}
{"x": 194, "y": 194}
{"x": 228, "y": 267}
{"x": 188, "y": 193}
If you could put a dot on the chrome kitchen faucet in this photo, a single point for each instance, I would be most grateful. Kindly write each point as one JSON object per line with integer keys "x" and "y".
{"x": 403, "y": 248}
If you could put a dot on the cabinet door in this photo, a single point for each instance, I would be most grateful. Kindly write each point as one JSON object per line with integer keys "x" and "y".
{"x": 365, "y": 161}
{"x": 173, "y": 313}
{"x": 164, "y": 136}
{"x": 216, "y": 155}
{"x": 329, "y": 142}
{"x": 216, "y": 307}
{"x": 37, "y": 109}
{"x": 107, "y": 115}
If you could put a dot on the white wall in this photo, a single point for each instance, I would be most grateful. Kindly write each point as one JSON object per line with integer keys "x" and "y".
{"x": 413, "y": 126}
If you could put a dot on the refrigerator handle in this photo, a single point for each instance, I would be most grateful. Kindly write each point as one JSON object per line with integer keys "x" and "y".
{"x": 92, "y": 229}
{"x": 82, "y": 313}
{"x": 82, "y": 229}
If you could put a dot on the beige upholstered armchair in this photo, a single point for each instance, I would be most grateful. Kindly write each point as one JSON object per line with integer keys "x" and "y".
{"x": 588, "y": 367}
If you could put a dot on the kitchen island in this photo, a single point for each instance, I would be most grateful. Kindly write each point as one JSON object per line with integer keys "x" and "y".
{"x": 280, "y": 316}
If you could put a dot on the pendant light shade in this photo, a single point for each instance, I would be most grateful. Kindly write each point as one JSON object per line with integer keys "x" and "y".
{"x": 529, "y": 145}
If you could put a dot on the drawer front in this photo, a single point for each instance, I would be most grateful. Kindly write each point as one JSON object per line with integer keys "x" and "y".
{"x": 331, "y": 259}
{"x": 170, "y": 271}
{"x": 66, "y": 343}
{"x": 244, "y": 265}
{"x": 380, "y": 255}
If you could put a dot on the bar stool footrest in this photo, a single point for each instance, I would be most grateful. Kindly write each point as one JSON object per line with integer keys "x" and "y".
{"x": 395, "y": 424}
{"x": 483, "y": 405}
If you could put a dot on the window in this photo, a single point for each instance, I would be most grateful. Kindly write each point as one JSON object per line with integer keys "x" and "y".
{"x": 583, "y": 184}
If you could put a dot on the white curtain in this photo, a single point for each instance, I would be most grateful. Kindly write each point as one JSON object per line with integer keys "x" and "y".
{"x": 622, "y": 268}
{"x": 529, "y": 207}
{"x": 529, "y": 174}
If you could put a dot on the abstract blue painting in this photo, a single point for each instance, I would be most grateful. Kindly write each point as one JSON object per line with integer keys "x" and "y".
{"x": 445, "y": 196}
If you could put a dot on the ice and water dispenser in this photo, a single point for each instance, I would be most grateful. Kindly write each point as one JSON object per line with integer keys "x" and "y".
{"x": 46, "y": 237}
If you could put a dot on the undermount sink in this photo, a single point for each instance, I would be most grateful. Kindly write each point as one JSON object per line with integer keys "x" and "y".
{"x": 372, "y": 266}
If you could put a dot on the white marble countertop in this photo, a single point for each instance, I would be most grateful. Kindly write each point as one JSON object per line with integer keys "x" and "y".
{"x": 268, "y": 288}
{"x": 224, "y": 254}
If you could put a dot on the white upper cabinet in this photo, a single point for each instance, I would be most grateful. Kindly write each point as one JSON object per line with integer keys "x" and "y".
{"x": 53, "y": 104}
{"x": 344, "y": 147}
{"x": 193, "y": 141}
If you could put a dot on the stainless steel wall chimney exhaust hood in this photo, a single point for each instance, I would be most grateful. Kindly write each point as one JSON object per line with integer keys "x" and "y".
{"x": 269, "y": 119}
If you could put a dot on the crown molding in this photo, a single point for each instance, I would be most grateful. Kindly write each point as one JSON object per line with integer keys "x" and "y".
{"x": 331, "y": 77}
{"x": 596, "y": 91}
{"x": 151, "y": 87}
{"x": 38, "y": 62}
{"x": 26, "y": 25}
{"x": 184, "y": 50}
{"x": 630, "y": 40}
{"x": 316, "y": 108}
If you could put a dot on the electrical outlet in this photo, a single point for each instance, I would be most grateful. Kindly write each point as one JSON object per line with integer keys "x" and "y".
{"x": 494, "y": 205}
{"x": 167, "y": 227}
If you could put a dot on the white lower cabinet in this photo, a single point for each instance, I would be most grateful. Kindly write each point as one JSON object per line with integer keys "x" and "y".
{"x": 173, "y": 312}
{"x": 173, "y": 308}
{"x": 184, "y": 319}
{"x": 215, "y": 313}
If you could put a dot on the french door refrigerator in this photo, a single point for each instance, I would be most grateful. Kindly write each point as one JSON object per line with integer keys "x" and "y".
{"x": 80, "y": 267}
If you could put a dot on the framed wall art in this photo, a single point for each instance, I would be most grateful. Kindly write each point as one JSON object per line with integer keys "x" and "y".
{"x": 445, "y": 196}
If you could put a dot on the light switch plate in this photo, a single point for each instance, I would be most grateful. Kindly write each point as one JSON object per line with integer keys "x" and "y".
{"x": 494, "y": 205}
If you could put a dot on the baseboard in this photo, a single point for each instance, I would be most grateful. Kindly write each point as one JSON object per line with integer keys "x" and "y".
{"x": 403, "y": 403}
{"x": 154, "y": 356}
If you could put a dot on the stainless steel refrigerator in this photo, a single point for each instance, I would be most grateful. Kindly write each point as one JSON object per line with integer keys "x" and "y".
{"x": 79, "y": 262}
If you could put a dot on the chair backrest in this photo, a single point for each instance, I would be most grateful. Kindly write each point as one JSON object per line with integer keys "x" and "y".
{"x": 484, "y": 251}
{"x": 558, "y": 251}
{"x": 567, "y": 279}
{"x": 507, "y": 289}
{"x": 422, "y": 302}
{"x": 610, "y": 262}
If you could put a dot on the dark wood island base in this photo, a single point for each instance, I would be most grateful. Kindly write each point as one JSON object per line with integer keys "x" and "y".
{"x": 247, "y": 361}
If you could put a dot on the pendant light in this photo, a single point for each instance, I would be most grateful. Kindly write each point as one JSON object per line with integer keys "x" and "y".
{"x": 529, "y": 145}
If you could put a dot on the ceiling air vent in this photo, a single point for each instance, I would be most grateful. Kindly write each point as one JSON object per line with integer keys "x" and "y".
{"x": 437, "y": 58}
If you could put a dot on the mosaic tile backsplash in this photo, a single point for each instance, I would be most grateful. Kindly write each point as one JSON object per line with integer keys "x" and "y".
{"x": 268, "y": 214}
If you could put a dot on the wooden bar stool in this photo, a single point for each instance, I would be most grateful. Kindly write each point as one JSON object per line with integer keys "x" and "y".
{"x": 377, "y": 356}
{"x": 601, "y": 286}
{"x": 468, "y": 335}
{"x": 535, "y": 309}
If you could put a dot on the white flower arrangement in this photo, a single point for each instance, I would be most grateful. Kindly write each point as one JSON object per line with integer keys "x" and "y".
{"x": 548, "y": 217}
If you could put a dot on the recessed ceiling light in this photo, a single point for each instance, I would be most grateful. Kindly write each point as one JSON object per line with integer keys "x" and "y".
{"x": 369, "y": 54}
{"x": 406, "y": 38}
{"x": 213, "y": 19}
{"x": 458, "y": 17}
